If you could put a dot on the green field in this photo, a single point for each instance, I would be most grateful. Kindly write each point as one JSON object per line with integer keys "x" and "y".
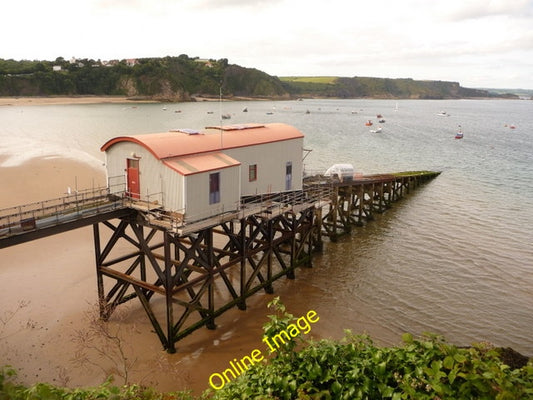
{"x": 310, "y": 79}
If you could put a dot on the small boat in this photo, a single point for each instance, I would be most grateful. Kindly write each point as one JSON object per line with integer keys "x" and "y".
{"x": 379, "y": 116}
{"x": 245, "y": 109}
{"x": 381, "y": 121}
{"x": 226, "y": 116}
{"x": 369, "y": 123}
{"x": 443, "y": 114}
{"x": 307, "y": 112}
{"x": 377, "y": 130}
{"x": 459, "y": 134}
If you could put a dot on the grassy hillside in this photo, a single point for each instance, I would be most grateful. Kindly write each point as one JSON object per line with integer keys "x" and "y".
{"x": 169, "y": 78}
{"x": 183, "y": 78}
{"x": 360, "y": 87}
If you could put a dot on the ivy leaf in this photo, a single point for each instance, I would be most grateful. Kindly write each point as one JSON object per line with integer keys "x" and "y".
{"x": 336, "y": 387}
{"x": 460, "y": 358}
{"x": 448, "y": 362}
{"x": 452, "y": 375}
{"x": 407, "y": 338}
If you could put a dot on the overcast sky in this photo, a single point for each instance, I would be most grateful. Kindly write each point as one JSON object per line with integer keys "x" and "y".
{"x": 479, "y": 43}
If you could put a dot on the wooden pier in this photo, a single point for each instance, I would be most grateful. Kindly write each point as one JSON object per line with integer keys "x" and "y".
{"x": 186, "y": 274}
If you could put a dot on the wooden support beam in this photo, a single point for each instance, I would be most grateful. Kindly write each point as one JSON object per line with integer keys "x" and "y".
{"x": 199, "y": 280}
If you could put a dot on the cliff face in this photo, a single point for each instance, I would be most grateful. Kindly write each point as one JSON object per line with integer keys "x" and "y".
{"x": 162, "y": 91}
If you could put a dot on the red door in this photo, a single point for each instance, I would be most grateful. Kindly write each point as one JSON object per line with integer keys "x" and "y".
{"x": 134, "y": 186}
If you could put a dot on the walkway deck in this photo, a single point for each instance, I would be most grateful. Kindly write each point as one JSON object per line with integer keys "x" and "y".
{"x": 201, "y": 268}
{"x": 35, "y": 220}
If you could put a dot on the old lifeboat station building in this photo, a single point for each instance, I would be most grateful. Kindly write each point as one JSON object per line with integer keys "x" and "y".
{"x": 200, "y": 174}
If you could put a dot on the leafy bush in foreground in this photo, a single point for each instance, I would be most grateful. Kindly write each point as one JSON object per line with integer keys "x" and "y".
{"x": 357, "y": 369}
{"x": 354, "y": 368}
{"x": 45, "y": 391}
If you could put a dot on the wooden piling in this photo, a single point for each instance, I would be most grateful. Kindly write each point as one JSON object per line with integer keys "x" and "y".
{"x": 201, "y": 270}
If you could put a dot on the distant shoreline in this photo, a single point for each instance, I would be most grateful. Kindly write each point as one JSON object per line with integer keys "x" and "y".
{"x": 52, "y": 100}
{"x": 62, "y": 100}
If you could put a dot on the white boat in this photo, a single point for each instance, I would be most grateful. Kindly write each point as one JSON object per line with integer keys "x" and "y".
{"x": 340, "y": 172}
{"x": 459, "y": 134}
{"x": 378, "y": 130}
{"x": 443, "y": 114}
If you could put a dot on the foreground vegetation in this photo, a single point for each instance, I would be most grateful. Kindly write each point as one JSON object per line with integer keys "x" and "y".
{"x": 354, "y": 368}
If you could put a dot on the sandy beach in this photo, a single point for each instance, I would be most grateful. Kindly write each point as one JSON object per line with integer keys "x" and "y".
{"x": 55, "y": 100}
{"x": 51, "y": 100}
{"x": 49, "y": 294}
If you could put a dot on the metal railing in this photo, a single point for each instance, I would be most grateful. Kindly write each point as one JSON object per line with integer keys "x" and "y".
{"x": 270, "y": 203}
{"x": 317, "y": 190}
{"x": 75, "y": 205}
{"x": 78, "y": 204}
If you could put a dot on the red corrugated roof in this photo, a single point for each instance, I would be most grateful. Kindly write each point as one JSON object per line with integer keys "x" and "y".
{"x": 175, "y": 144}
{"x": 196, "y": 163}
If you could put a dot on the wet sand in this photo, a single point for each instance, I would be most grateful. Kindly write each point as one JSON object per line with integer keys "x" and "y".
{"x": 55, "y": 100}
{"x": 52, "y": 100}
{"x": 50, "y": 286}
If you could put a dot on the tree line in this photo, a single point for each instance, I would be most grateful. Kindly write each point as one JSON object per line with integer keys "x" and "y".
{"x": 168, "y": 78}
{"x": 182, "y": 78}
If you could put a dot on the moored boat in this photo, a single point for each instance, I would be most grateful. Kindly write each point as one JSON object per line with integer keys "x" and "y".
{"x": 459, "y": 134}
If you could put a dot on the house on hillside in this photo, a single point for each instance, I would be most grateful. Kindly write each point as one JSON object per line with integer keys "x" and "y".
{"x": 204, "y": 173}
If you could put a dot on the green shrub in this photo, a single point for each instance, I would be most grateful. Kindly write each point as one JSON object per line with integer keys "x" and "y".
{"x": 9, "y": 390}
{"x": 355, "y": 368}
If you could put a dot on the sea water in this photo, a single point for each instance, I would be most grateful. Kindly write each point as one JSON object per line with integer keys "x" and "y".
{"x": 453, "y": 258}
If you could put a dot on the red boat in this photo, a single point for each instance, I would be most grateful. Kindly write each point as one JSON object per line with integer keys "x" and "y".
{"x": 368, "y": 123}
{"x": 459, "y": 134}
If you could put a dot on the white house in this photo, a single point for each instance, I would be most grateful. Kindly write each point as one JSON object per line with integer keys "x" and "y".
{"x": 205, "y": 173}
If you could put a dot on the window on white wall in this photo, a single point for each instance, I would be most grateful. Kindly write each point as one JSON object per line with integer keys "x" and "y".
{"x": 288, "y": 175}
{"x": 214, "y": 188}
{"x": 252, "y": 173}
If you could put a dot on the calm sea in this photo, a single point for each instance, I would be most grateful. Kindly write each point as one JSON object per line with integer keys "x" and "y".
{"x": 455, "y": 258}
